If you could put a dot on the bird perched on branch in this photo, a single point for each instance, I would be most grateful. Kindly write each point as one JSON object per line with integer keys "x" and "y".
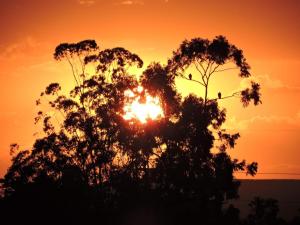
{"x": 219, "y": 95}
{"x": 190, "y": 76}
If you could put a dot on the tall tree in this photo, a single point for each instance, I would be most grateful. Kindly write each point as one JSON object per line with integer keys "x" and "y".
{"x": 111, "y": 160}
{"x": 209, "y": 58}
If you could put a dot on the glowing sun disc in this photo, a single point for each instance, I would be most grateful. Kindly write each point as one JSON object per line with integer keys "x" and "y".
{"x": 143, "y": 111}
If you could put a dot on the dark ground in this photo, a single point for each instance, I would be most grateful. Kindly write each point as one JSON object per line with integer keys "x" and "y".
{"x": 287, "y": 192}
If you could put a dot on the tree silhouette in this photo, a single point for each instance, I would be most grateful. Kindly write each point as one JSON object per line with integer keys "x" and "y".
{"x": 102, "y": 166}
{"x": 264, "y": 212}
{"x": 211, "y": 57}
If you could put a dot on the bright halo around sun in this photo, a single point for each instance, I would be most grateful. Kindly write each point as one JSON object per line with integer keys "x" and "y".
{"x": 143, "y": 110}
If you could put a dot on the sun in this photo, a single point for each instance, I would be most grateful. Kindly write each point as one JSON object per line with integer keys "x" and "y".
{"x": 142, "y": 106}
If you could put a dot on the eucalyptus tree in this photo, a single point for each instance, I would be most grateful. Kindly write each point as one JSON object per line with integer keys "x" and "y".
{"x": 209, "y": 57}
{"x": 192, "y": 177}
{"x": 169, "y": 160}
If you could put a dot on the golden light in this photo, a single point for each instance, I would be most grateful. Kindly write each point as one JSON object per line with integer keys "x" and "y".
{"x": 143, "y": 110}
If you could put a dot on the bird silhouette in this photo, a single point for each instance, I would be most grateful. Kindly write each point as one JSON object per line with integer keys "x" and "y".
{"x": 190, "y": 76}
{"x": 219, "y": 95}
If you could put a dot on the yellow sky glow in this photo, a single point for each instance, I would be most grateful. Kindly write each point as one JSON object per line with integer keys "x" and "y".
{"x": 267, "y": 31}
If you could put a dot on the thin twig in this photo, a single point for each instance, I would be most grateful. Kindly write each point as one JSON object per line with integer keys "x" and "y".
{"x": 228, "y": 96}
{"x": 232, "y": 68}
{"x": 184, "y": 77}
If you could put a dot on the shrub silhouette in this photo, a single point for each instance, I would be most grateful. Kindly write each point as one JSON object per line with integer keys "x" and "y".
{"x": 264, "y": 212}
{"x": 92, "y": 165}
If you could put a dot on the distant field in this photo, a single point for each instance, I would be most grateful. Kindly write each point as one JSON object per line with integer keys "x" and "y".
{"x": 287, "y": 192}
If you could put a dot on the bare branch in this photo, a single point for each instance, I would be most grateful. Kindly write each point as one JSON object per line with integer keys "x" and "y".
{"x": 184, "y": 77}
{"x": 211, "y": 65}
{"x": 214, "y": 70}
{"x": 73, "y": 72}
{"x": 232, "y": 68}
{"x": 198, "y": 68}
{"x": 235, "y": 94}
{"x": 201, "y": 65}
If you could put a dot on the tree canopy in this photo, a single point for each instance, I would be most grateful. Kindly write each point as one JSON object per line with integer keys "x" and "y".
{"x": 97, "y": 163}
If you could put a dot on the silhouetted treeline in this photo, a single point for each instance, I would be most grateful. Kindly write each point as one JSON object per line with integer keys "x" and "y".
{"x": 93, "y": 166}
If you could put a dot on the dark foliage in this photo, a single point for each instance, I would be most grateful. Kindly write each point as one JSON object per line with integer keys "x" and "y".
{"x": 95, "y": 166}
{"x": 208, "y": 57}
{"x": 264, "y": 212}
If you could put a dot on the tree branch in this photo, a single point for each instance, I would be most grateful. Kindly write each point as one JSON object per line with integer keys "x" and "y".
{"x": 184, "y": 77}
{"x": 73, "y": 72}
{"x": 198, "y": 68}
{"x": 228, "y": 96}
{"x": 214, "y": 70}
{"x": 231, "y": 68}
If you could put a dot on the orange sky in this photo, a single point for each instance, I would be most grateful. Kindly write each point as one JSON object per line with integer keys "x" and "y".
{"x": 267, "y": 31}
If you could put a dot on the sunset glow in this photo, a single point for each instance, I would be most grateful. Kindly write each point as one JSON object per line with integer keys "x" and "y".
{"x": 267, "y": 31}
{"x": 150, "y": 108}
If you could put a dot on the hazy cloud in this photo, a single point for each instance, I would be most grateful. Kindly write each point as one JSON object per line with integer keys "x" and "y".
{"x": 272, "y": 122}
{"x": 86, "y": 2}
{"x": 267, "y": 82}
{"x": 130, "y": 2}
{"x": 20, "y": 48}
{"x": 137, "y": 2}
